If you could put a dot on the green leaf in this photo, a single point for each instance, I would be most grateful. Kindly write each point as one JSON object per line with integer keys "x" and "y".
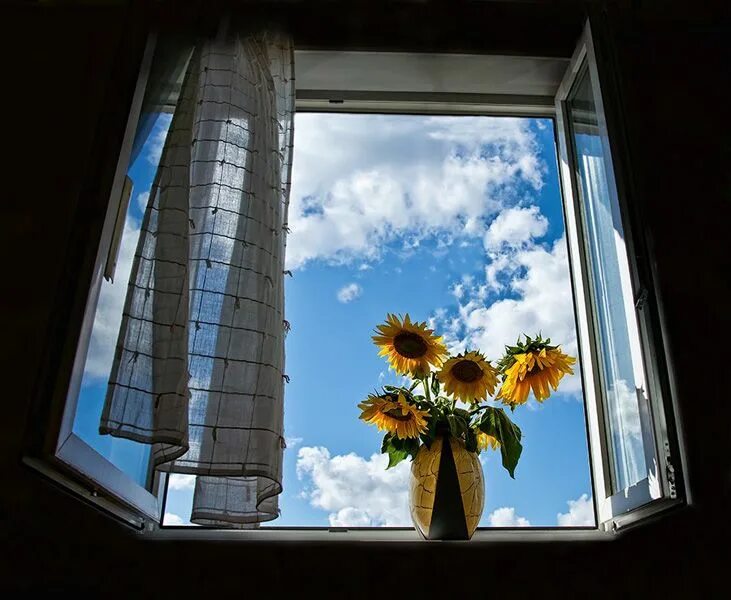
{"x": 435, "y": 415}
{"x": 393, "y": 389}
{"x": 434, "y": 384}
{"x": 470, "y": 442}
{"x": 488, "y": 422}
{"x": 398, "y": 450}
{"x": 395, "y": 456}
{"x": 457, "y": 426}
{"x": 465, "y": 414}
{"x": 495, "y": 422}
{"x": 509, "y": 438}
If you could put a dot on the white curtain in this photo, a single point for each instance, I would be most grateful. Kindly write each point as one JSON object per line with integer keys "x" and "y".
{"x": 199, "y": 364}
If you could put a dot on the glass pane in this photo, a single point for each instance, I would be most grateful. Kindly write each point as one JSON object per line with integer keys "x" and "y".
{"x": 129, "y": 456}
{"x": 621, "y": 366}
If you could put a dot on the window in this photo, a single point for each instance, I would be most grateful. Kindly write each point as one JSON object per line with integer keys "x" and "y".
{"x": 624, "y": 468}
{"x": 456, "y": 219}
{"x": 629, "y": 418}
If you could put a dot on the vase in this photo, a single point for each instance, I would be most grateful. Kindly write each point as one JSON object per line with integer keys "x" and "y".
{"x": 447, "y": 490}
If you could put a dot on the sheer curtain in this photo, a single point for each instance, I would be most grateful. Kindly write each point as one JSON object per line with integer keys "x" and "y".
{"x": 199, "y": 364}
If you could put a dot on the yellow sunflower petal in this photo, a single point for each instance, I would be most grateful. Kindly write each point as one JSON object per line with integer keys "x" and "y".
{"x": 468, "y": 377}
{"x": 538, "y": 371}
{"x": 410, "y": 347}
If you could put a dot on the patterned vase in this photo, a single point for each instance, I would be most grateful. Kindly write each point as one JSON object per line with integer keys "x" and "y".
{"x": 447, "y": 490}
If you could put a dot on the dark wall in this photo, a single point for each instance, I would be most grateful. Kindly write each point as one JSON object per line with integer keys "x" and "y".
{"x": 68, "y": 77}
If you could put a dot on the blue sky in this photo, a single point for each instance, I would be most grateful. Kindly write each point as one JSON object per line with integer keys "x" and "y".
{"x": 455, "y": 220}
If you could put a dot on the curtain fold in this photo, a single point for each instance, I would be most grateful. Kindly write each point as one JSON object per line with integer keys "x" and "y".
{"x": 199, "y": 364}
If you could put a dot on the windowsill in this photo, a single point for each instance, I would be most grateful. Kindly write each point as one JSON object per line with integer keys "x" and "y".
{"x": 377, "y": 535}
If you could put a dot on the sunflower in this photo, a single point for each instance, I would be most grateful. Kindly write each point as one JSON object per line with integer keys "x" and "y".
{"x": 539, "y": 370}
{"x": 485, "y": 441}
{"x": 394, "y": 415}
{"x": 410, "y": 347}
{"x": 469, "y": 377}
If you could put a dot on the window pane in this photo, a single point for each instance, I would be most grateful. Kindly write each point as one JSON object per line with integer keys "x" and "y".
{"x": 129, "y": 456}
{"x": 621, "y": 366}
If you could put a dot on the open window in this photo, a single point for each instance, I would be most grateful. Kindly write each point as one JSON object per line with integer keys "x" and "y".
{"x": 114, "y": 473}
{"x": 634, "y": 453}
{"x": 632, "y": 446}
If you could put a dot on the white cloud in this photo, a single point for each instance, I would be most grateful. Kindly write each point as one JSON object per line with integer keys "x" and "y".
{"x": 181, "y": 482}
{"x": 393, "y": 177}
{"x": 112, "y": 295}
{"x": 142, "y": 201}
{"x": 625, "y": 410}
{"x": 109, "y": 309}
{"x": 506, "y": 517}
{"x": 351, "y": 517}
{"x": 542, "y": 302}
{"x": 526, "y": 289}
{"x": 355, "y": 491}
{"x": 292, "y": 442}
{"x": 157, "y": 138}
{"x": 173, "y": 519}
{"x": 581, "y": 513}
{"x": 515, "y": 226}
{"x": 349, "y": 292}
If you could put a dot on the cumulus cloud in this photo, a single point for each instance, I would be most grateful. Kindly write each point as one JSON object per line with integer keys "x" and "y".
{"x": 506, "y": 517}
{"x": 108, "y": 315}
{"x": 515, "y": 226}
{"x": 355, "y": 491}
{"x": 178, "y": 481}
{"x": 392, "y": 176}
{"x": 624, "y": 409}
{"x": 526, "y": 288}
{"x": 173, "y": 519}
{"x": 581, "y": 513}
{"x": 292, "y": 442}
{"x": 156, "y": 141}
{"x": 349, "y": 292}
{"x": 142, "y": 200}
{"x": 539, "y": 300}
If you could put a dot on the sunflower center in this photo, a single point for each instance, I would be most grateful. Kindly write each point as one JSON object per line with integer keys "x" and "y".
{"x": 410, "y": 345}
{"x": 467, "y": 371}
{"x": 395, "y": 413}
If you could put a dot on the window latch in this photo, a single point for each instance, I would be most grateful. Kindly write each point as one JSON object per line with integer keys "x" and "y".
{"x": 641, "y": 299}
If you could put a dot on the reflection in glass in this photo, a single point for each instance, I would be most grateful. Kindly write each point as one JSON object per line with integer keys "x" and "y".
{"x": 621, "y": 365}
{"x": 132, "y": 458}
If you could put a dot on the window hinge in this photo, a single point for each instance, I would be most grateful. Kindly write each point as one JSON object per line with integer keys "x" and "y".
{"x": 670, "y": 472}
{"x": 641, "y": 299}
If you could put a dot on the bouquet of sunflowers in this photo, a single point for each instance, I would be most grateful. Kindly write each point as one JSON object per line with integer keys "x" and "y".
{"x": 449, "y": 394}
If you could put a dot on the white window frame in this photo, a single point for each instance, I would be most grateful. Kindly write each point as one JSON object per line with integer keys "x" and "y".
{"x": 141, "y": 508}
{"x": 615, "y": 510}
{"x": 91, "y": 474}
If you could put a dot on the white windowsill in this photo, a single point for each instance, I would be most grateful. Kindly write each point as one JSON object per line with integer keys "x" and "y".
{"x": 365, "y": 535}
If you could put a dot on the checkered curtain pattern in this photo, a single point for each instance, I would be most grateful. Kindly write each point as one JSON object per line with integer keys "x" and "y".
{"x": 199, "y": 366}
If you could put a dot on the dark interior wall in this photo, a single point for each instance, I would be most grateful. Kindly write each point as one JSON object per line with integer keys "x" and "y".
{"x": 68, "y": 78}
